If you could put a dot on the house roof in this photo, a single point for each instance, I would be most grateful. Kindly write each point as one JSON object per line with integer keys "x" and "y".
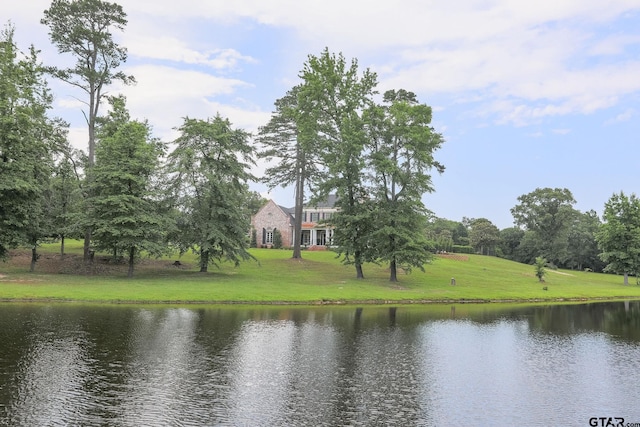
{"x": 329, "y": 202}
{"x": 290, "y": 211}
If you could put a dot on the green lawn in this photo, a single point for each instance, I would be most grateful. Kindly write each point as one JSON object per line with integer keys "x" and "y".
{"x": 318, "y": 278}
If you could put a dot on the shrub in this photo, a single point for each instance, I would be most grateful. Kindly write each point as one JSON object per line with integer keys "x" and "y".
{"x": 460, "y": 249}
{"x": 254, "y": 239}
{"x": 277, "y": 239}
{"x": 539, "y": 266}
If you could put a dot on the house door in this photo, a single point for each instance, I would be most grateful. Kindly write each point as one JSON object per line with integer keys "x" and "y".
{"x": 321, "y": 237}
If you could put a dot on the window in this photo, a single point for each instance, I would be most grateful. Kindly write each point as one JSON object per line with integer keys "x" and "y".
{"x": 268, "y": 238}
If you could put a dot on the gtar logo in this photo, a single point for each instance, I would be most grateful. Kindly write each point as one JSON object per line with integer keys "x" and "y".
{"x": 606, "y": 422}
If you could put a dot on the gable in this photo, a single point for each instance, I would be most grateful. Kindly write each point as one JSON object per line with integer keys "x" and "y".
{"x": 271, "y": 216}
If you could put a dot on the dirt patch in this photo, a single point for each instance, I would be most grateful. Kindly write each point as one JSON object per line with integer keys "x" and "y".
{"x": 102, "y": 265}
{"x": 456, "y": 257}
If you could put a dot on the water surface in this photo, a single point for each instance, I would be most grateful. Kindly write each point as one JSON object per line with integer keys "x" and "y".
{"x": 67, "y": 364}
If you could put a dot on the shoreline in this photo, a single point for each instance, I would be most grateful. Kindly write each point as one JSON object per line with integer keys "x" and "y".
{"x": 371, "y": 302}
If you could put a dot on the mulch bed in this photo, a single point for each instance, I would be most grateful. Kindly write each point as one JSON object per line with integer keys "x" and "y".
{"x": 457, "y": 257}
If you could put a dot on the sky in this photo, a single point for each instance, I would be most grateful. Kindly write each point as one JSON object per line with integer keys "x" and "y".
{"x": 526, "y": 94}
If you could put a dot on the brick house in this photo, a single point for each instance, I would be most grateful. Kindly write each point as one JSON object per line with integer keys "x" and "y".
{"x": 273, "y": 217}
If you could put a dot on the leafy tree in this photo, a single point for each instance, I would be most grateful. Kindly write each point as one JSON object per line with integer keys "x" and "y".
{"x": 619, "y": 235}
{"x": 583, "y": 251}
{"x": 483, "y": 235}
{"x": 334, "y": 94}
{"x": 402, "y": 143}
{"x": 26, "y": 141}
{"x": 255, "y": 201}
{"x": 510, "y": 239}
{"x": 123, "y": 208}
{"x": 447, "y": 232}
{"x": 84, "y": 29}
{"x": 548, "y": 213}
{"x": 288, "y": 138}
{"x": 210, "y": 168}
{"x": 529, "y": 248}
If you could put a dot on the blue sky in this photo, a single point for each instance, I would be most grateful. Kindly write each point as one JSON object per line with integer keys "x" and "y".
{"x": 526, "y": 94}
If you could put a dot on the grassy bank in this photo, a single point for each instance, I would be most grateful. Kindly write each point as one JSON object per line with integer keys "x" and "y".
{"x": 318, "y": 278}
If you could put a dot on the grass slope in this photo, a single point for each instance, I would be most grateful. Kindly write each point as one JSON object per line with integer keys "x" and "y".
{"x": 318, "y": 278}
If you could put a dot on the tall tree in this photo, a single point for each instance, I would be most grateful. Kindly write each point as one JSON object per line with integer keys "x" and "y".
{"x": 548, "y": 213}
{"x": 210, "y": 169}
{"x": 619, "y": 235}
{"x": 583, "y": 251}
{"x": 84, "y": 29}
{"x": 337, "y": 94}
{"x": 456, "y": 233}
{"x": 26, "y": 135}
{"x": 510, "y": 239}
{"x": 66, "y": 198}
{"x": 483, "y": 235}
{"x": 402, "y": 143}
{"x": 123, "y": 208}
{"x": 288, "y": 138}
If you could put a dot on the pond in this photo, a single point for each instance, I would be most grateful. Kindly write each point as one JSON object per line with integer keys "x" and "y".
{"x": 492, "y": 364}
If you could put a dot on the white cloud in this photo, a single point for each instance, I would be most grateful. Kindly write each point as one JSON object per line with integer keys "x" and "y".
{"x": 173, "y": 49}
{"x": 625, "y": 116}
{"x": 164, "y": 95}
{"x": 520, "y": 62}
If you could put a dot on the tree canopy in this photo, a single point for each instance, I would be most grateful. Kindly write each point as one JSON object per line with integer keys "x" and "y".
{"x": 401, "y": 147}
{"x": 209, "y": 170}
{"x": 123, "y": 209}
{"x": 548, "y": 214}
{"x": 619, "y": 235}
{"x": 28, "y": 137}
{"x": 288, "y": 138}
{"x": 84, "y": 29}
{"x": 337, "y": 93}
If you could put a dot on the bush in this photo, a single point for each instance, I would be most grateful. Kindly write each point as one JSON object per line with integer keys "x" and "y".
{"x": 254, "y": 239}
{"x": 460, "y": 249}
{"x": 539, "y": 267}
{"x": 277, "y": 239}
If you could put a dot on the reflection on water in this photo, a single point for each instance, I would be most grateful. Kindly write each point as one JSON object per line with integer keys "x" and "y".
{"x": 426, "y": 365}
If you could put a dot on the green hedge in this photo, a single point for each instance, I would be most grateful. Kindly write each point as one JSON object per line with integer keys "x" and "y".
{"x": 459, "y": 249}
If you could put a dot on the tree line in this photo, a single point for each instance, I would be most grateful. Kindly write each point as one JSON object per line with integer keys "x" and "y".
{"x": 332, "y": 133}
{"x": 547, "y": 226}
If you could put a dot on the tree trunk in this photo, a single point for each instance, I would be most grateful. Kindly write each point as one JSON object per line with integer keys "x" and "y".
{"x": 393, "y": 276}
{"x": 626, "y": 279}
{"x": 34, "y": 258}
{"x": 88, "y": 259}
{"x": 62, "y": 246}
{"x": 204, "y": 261}
{"x": 297, "y": 220}
{"x": 132, "y": 253}
{"x": 358, "y": 263}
